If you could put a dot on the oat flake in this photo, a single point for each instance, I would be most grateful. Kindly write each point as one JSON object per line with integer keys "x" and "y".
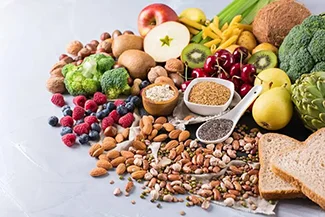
{"x": 160, "y": 93}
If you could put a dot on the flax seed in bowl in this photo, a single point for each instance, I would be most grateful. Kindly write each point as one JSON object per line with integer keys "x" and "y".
{"x": 209, "y": 93}
{"x": 209, "y": 96}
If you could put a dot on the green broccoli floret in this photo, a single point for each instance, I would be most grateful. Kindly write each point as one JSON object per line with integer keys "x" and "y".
{"x": 302, "y": 51}
{"x": 114, "y": 82}
{"x": 85, "y": 78}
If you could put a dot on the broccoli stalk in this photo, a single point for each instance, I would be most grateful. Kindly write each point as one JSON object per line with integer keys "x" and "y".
{"x": 114, "y": 82}
{"x": 85, "y": 79}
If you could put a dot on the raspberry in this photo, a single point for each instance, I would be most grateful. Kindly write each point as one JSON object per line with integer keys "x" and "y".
{"x": 100, "y": 98}
{"x": 114, "y": 115}
{"x": 91, "y": 105}
{"x": 66, "y": 121}
{"x": 126, "y": 120}
{"x": 90, "y": 119}
{"x": 58, "y": 100}
{"x": 106, "y": 122}
{"x": 79, "y": 100}
{"x": 69, "y": 139}
{"x": 81, "y": 129}
{"x": 78, "y": 113}
{"x": 119, "y": 102}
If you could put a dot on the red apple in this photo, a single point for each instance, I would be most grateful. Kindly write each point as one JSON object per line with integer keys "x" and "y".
{"x": 154, "y": 15}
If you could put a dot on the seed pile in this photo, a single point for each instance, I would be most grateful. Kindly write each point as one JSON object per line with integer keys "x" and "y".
{"x": 215, "y": 129}
{"x": 180, "y": 158}
{"x": 209, "y": 93}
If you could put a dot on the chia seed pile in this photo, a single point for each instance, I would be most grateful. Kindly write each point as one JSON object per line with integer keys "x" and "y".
{"x": 215, "y": 129}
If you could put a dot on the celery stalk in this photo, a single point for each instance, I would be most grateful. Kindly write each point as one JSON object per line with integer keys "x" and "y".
{"x": 249, "y": 17}
{"x": 197, "y": 38}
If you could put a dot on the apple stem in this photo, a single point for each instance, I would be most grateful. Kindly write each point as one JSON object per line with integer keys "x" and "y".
{"x": 285, "y": 85}
{"x": 270, "y": 85}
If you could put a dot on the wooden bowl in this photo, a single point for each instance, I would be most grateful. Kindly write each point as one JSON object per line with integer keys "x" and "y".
{"x": 163, "y": 108}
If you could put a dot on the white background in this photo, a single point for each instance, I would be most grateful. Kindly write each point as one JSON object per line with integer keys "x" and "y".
{"x": 39, "y": 176}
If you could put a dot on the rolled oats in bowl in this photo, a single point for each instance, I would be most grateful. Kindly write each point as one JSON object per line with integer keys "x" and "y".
{"x": 160, "y": 93}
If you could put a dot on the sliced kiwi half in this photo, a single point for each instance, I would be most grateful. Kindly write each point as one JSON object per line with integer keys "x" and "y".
{"x": 264, "y": 59}
{"x": 194, "y": 55}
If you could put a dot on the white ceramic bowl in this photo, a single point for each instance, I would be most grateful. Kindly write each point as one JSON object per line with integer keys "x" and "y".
{"x": 208, "y": 110}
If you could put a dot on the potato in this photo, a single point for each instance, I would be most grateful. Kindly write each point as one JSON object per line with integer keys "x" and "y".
{"x": 164, "y": 80}
{"x": 138, "y": 63}
{"x": 247, "y": 40}
{"x": 126, "y": 42}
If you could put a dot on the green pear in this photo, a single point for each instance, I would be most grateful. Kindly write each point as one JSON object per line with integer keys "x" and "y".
{"x": 273, "y": 109}
{"x": 271, "y": 78}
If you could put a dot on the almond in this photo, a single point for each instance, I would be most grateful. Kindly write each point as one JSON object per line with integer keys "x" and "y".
{"x": 110, "y": 131}
{"x": 174, "y": 134}
{"x": 170, "y": 145}
{"x": 108, "y": 145}
{"x": 168, "y": 127}
{"x": 145, "y": 164}
{"x": 139, "y": 145}
{"x": 98, "y": 152}
{"x": 189, "y": 117}
{"x": 141, "y": 124}
{"x": 104, "y": 164}
{"x": 125, "y": 133}
{"x": 120, "y": 169}
{"x": 153, "y": 134}
{"x": 112, "y": 154}
{"x": 109, "y": 139}
{"x": 127, "y": 154}
{"x": 103, "y": 157}
{"x": 129, "y": 186}
{"x": 139, "y": 137}
{"x": 184, "y": 136}
{"x": 179, "y": 149}
{"x": 98, "y": 172}
{"x": 117, "y": 161}
{"x": 157, "y": 126}
{"x": 173, "y": 177}
{"x": 160, "y": 138}
{"x": 179, "y": 189}
{"x": 119, "y": 138}
{"x": 161, "y": 120}
{"x": 133, "y": 168}
{"x": 146, "y": 120}
{"x": 147, "y": 129}
{"x": 94, "y": 148}
{"x": 141, "y": 152}
{"x": 129, "y": 161}
{"x": 138, "y": 174}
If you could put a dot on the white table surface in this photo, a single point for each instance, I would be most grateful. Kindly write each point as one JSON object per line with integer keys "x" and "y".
{"x": 39, "y": 176}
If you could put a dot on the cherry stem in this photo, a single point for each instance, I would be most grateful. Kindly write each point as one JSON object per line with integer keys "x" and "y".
{"x": 186, "y": 69}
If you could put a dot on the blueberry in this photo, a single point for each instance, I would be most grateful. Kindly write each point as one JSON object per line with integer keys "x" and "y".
{"x": 136, "y": 100}
{"x": 130, "y": 106}
{"x": 94, "y": 135}
{"x": 80, "y": 121}
{"x": 96, "y": 127}
{"x": 83, "y": 139}
{"x": 128, "y": 99}
{"x": 65, "y": 107}
{"x": 100, "y": 115}
{"x": 144, "y": 84}
{"x": 122, "y": 110}
{"x": 142, "y": 112}
{"x": 67, "y": 112}
{"x": 65, "y": 130}
{"x": 53, "y": 121}
{"x": 88, "y": 112}
{"x": 110, "y": 106}
{"x": 106, "y": 112}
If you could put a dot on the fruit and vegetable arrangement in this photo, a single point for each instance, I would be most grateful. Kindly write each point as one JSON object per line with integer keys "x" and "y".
{"x": 127, "y": 87}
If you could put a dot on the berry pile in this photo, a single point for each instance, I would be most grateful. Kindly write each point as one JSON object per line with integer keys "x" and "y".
{"x": 90, "y": 117}
{"x": 228, "y": 66}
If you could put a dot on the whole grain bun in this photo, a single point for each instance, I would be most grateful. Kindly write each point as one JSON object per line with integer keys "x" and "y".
{"x": 274, "y": 22}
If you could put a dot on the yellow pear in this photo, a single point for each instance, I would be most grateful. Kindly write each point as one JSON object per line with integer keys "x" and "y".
{"x": 273, "y": 109}
{"x": 194, "y": 14}
{"x": 271, "y": 78}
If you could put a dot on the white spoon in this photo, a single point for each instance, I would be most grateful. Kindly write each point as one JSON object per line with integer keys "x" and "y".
{"x": 235, "y": 114}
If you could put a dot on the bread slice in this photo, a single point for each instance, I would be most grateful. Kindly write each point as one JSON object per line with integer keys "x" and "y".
{"x": 272, "y": 187}
{"x": 304, "y": 167}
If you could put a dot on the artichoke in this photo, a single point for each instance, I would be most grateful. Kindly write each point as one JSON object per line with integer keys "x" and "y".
{"x": 308, "y": 95}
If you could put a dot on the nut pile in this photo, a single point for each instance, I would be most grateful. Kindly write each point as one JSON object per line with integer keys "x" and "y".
{"x": 180, "y": 160}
